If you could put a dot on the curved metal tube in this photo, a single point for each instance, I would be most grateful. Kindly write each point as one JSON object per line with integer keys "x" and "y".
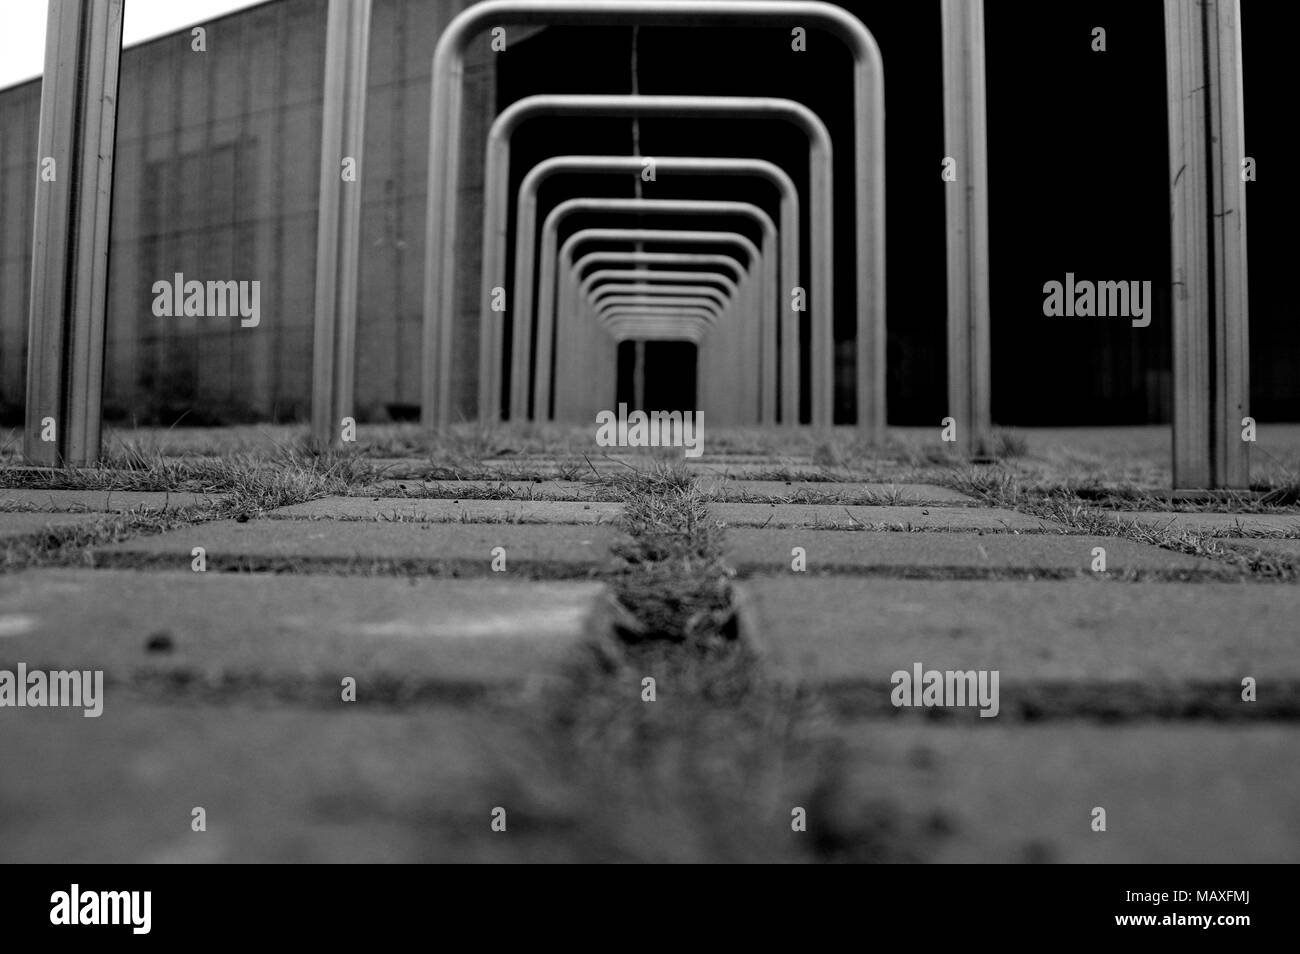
{"x": 708, "y": 304}
{"x": 446, "y": 109}
{"x": 653, "y": 290}
{"x": 734, "y": 265}
{"x": 649, "y": 327}
{"x": 525, "y": 238}
{"x": 820, "y": 205}
{"x": 767, "y": 311}
{"x": 605, "y": 276}
{"x": 570, "y": 369}
{"x": 737, "y": 399}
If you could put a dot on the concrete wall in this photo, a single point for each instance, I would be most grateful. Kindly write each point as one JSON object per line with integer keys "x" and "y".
{"x": 216, "y": 177}
{"x": 19, "y": 119}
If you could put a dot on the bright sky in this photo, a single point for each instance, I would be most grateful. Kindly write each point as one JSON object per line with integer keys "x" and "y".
{"x": 22, "y": 37}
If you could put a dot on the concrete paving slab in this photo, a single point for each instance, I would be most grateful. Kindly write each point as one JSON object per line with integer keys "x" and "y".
{"x": 716, "y": 487}
{"x": 816, "y": 491}
{"x": 1287, "y": 549}
{"x": 509, "y": 489}
{"x": 859, "y": 631}
{"x": 416, "y": 468}
{"x": 425, "y": 468}
{"x": 400, "y": 468}
{"x": 750, "y": 550}
{"x": 832, "y": 517}
{"x": 753, "y": 469}
{"x": 100, "y": 501}
{"x": 15, "y": 525}
{"x": 643, "y": 456}
{"x": 738, "y": 467}
{"x": 415, "y": 509}
{"x": 1177, "y": 794}
{"x": 585, "y": 463}
{"x": 464, "y": 548}
{"x": 569, "y": 468}
{"x": 753, "y": 460}
{"x": 1220, "y": 524}
{"x": 293, "y": 631}
{"x": 348, "y": 783}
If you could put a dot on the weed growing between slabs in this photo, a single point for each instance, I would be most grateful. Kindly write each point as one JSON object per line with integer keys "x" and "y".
{"x": 675, "y": 742}
{"x": 1065, "y": 505}
{"x": 240, "y": 487}
{"x": 676, "y": 585}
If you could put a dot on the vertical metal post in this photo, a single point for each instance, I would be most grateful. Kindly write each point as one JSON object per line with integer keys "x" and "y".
{"x": 1208, "y": 230}
{"x": 967, "y": 204}
{"x": 638, "y": 375}
{"x": 74, "y": 190}
{"x": 338, "y": 230}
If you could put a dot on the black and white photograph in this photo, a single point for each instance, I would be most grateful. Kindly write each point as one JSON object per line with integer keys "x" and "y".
{"x": 649, "y": 431}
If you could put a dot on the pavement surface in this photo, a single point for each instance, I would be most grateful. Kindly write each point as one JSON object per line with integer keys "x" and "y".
{"x": 373, "y": 676}
{"x": 100, "y": 501}
{"x": 855, "y": 552}
{"x": 451, "y": 511}
{"x": 1219, "y": 524}
{"x": 220, "y": 628}
{"x": 24, "y": 525}
{"x": 428, "y": 545}
{"x": 884, "y": 518}
{"x": 1285, "y": 549}
{"x": 1039, "y": 631}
